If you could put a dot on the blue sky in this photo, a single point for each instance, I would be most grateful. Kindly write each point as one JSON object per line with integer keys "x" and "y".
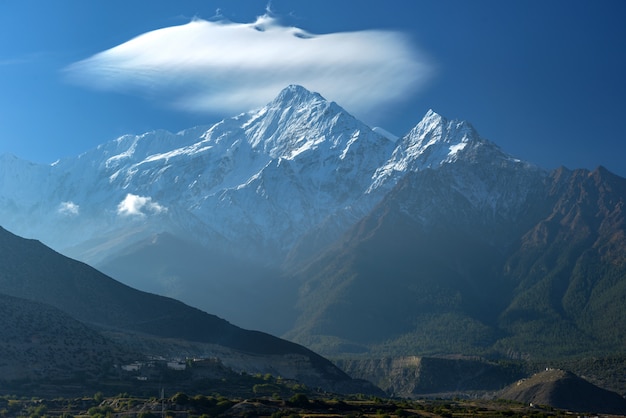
{"x": 545, "y": 80}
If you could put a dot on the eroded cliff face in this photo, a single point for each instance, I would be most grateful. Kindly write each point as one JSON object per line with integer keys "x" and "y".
{"x": 300, "y": 368}
{"x": 414, "y": 376}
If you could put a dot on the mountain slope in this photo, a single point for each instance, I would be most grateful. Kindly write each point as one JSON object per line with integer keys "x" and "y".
{"x": 31, "y": 271}
{"x": 571, "y": 265}
{"x": 176, "y": 267}
{"x": 435, "y": 270}
{"x": 425, "y": 262}
{"x": 565, "y": 390}
{"x": 41, "y": 342}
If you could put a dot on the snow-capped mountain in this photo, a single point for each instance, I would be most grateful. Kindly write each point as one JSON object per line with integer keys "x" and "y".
{"x": 300, "y": 220}
{"x": 260, "y": 179}
{"x": 436, "y": 141}
{"x": 273, "y": 184}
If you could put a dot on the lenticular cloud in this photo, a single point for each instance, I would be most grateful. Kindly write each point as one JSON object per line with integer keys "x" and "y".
{"x": 226, "y": 66}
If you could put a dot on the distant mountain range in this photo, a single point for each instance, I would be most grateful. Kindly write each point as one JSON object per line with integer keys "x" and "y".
{"x": 300, "y": 220}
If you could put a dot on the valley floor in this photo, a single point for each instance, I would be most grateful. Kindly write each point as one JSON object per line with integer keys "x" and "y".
{"x": 182, "y": 405}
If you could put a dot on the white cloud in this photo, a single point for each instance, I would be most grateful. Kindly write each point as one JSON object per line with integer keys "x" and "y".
{"x": 134, "y": 205}
{"x": 226, "y": 66}
{"x": 68, "y": 208}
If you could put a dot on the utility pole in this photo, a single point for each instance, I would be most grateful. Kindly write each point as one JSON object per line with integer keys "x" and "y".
{"x": 162, "y": 402}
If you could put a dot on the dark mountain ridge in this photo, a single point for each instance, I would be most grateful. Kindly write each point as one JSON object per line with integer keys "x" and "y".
{"x": 39, "y": 342}
{"x": 31, "y": 271}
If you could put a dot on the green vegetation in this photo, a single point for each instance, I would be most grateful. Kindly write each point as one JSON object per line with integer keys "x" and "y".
{"x": 300, "y": 405}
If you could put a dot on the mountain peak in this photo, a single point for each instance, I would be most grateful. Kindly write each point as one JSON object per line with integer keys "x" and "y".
{"x": 296, "y": 94}
{"x": 298, "y": 120}
{"x": 433, "y": 116}
{"x": 436, "y": 141}
{"x": 434, "y": 124}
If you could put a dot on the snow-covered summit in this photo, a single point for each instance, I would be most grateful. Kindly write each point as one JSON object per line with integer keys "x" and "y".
{"x": 433, "y": 142}
{"x": 298, "y": 121}
{"x": 436, "y": 140}
{"x": 295, "y": 95}
{"x": 258, "y": 182}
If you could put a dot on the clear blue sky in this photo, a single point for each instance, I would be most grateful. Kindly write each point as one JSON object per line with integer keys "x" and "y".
{"x": 545, "y": 80}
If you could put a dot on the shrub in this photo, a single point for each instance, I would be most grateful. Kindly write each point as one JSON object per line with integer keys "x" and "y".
{"x": 299, "y": 399}
{"x": 180, "y": 398}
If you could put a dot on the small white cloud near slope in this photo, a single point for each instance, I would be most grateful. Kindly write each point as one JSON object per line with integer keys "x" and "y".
{"x": 225, "y": 66}
{"x": 134, "y": 205}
